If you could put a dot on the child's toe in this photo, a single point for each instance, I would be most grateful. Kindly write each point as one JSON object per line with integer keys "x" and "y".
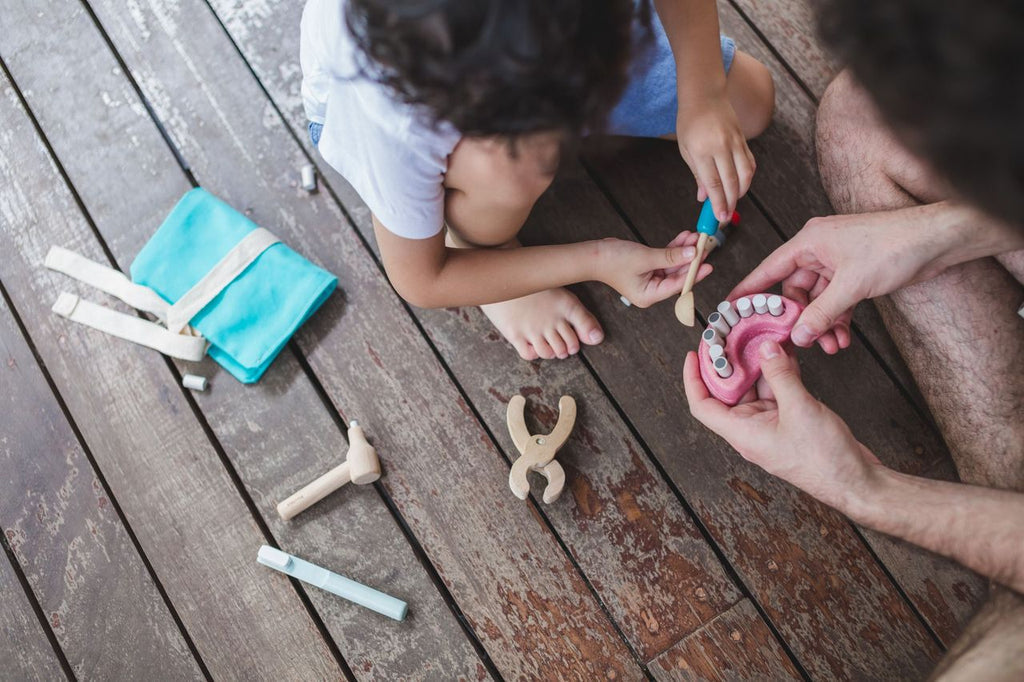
{"x": 572, "y": 342}
{"x": 523, "y": 347}
{"x": 557, "y": 344}
{"x": 542, "y": 347}
{"x": 586, "y": 325}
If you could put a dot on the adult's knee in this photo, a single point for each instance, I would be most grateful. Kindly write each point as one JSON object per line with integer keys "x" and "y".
{"x": 835, "y": 141}
{"x": 857, "y": 152}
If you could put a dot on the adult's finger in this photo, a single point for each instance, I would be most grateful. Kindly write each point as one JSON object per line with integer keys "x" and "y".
{"x": 777, "y": 266}
{"x": 842, "y": 329}
{"x": 828, "y": 341}
{"x": 782, "y": 374}
{"x": 822, "y": 313}
{"x": 799, "y": 285}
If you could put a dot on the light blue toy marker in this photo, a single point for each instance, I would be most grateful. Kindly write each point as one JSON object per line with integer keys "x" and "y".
{"x": 707, "y": 223}
{"x": 332, "y": 582}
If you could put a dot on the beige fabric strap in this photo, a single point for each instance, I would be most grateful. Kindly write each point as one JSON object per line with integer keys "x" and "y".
{"x": 113, "y": 282}
{"x": 129, "y": 327}
{"x": 222, "y": 274}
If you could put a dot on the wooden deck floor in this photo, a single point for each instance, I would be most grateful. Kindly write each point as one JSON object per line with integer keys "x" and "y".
{"x": 132, "y": 509}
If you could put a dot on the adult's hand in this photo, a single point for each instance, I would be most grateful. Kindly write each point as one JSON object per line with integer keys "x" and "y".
{"x": 785, "y": 431}
{"x": 834, "y": 263}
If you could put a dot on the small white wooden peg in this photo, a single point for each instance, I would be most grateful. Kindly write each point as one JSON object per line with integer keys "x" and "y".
{"x": 308, "y": 177}
{"x": 194, "y": 382}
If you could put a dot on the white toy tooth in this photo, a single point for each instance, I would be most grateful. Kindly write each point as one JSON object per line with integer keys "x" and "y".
{"x": 729, "y": 313}
{"x": 718, "y": 323}
{"x": 712, "y": 337}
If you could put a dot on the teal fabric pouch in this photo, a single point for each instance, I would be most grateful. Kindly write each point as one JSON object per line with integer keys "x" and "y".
{"x": 249, "y": 321}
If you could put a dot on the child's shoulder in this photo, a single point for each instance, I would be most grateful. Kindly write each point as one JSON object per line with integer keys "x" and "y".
{"x": 326, "y": 39}
{"x": 334, "y": 72}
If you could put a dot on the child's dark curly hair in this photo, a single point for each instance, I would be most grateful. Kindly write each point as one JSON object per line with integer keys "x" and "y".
{"x": 948, "y": 76}
{"x": 500, "y": 67}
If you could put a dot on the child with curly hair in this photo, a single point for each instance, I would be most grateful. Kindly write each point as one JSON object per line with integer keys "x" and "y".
{"x": 449, "y": 118}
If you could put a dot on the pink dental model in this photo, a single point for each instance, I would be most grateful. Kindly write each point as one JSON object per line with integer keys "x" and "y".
{"x": 730, "y": 362}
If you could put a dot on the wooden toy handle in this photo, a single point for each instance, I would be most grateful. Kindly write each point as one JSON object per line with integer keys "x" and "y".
{"x": 566, "y": 420}
{"x": 515, "y": 417}
{"x": 315, "y": 491}
{"x": 691, "y": 275}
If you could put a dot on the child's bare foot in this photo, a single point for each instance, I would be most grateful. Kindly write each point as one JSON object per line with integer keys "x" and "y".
{"x": 547, "y": 324}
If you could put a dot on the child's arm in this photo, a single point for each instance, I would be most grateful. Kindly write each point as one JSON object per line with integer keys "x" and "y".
{"x": 708, "y": 131}
{"x": 428, "y": 274}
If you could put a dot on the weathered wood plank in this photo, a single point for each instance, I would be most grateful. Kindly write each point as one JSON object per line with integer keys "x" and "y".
{"x": 524, "y": 598}
{"x": 796, "y": 556}
{"x": 167, "y": 477}
{"x": 730, "y": 648}
{"x": 787, "y": 168}
{"x": 285, "y": 436}
{"x": 25, "y": 650}
{"x": 88, "y": 578}
{"x": 792, "y": 29}
{"x": 627, "y": 531}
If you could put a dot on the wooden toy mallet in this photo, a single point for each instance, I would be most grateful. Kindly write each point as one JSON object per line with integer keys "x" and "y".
{"x": 707, "y": 225}
{"x": 361, "y": 466}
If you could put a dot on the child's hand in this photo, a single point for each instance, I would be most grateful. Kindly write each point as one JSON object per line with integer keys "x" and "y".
{"x": 645, "y": 275}
{"x": 713, "y": 146}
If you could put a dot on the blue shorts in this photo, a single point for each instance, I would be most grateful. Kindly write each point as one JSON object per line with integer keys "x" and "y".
{"x": 649, "y": 103}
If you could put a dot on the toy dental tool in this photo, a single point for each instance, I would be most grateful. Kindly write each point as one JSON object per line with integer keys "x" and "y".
{"x": 538, "y": 451}
{"x": 711, "y": 235}
{"x": 332, "y": 582}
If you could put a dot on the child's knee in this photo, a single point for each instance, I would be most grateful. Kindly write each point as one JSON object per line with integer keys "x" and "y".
{"x": 483, "y": 222}
{"x": 494, "y": 196}
{"x": 752, "y": 92}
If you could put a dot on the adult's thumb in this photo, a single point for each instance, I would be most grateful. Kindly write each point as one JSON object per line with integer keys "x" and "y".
{"x": 781, "y": 373}
{"x": 820, "y": 315}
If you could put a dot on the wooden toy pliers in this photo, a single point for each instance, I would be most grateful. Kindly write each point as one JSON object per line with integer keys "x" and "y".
{"x": 538, "y": 452}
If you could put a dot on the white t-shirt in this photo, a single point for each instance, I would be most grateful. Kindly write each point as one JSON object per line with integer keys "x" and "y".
{"x": 387, "y": 150}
